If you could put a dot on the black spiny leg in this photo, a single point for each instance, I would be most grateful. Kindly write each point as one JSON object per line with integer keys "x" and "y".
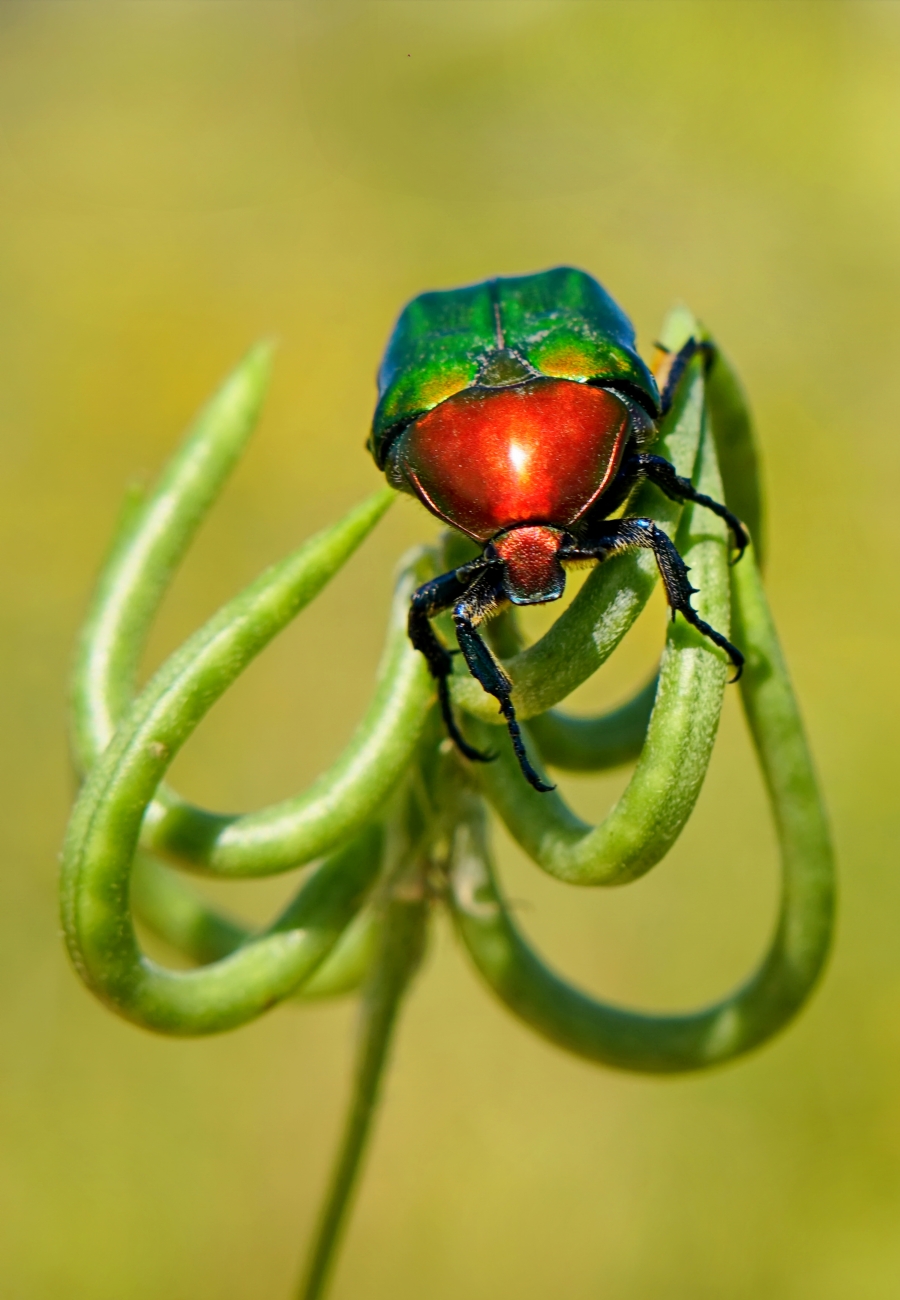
{"x": 430, "y": 599}
{"x": 617, "y": 535}
{"x": 659, "y": 471}
{"x": 481, "y": 599}
{"x": 682, "y": 360}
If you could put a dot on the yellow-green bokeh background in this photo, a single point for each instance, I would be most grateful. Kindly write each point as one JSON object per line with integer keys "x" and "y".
{"x": 178, "y": 179}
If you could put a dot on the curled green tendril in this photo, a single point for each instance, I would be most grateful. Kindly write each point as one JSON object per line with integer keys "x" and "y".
{"x": 106, "y": 825}
{"x": 594, "y": 744}
{"x": 399, "y": 822}
{"x": 636, "y": 1041}
{"x": 204, "y": 934}
{"x": 154, "y": 536}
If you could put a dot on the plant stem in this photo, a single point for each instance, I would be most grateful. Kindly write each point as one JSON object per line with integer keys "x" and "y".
{"x": 400, "y": 948}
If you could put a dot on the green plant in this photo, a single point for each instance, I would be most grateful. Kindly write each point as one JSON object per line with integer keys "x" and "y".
{"x": 398, "y": 823}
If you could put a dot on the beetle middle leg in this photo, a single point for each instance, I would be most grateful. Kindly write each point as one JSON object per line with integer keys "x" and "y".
{"x": 481, "y": 600}
{"x": 616, "y": 535}
{"x": 659, "y": 471}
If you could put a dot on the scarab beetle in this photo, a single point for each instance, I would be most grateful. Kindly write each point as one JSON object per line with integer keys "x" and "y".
{"x": 519, "y": 412}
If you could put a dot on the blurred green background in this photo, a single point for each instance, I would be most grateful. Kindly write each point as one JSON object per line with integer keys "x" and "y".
{"x": 179, "y": 179}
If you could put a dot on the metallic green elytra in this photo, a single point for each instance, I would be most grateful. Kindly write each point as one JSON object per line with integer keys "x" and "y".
{"x": 559, "y": 323}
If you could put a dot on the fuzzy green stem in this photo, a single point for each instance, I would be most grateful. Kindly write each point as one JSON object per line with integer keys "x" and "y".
{"x": 153, "y": 537}
{"x": 155, "y": 530}
{"x": 341, "y": 799}
{"x": 399, "y": 951}
{"x": 753, "y": 1013}
{"x": 154, "y": 533}
{"x": 737, "y": 449}
{"x": 178, "y": 915}
{"x": 105, "y": 826}
{"x": 595, "y": 743}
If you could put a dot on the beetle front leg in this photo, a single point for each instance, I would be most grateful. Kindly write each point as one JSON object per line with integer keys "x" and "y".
{"x": 433, "y": 598}
{"x": 480, "y": 601}
{"x": 668, "y": 480}
{"x": 618, "y": 535}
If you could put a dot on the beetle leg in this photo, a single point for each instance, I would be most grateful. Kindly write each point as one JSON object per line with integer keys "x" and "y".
{"x": 433, "y": 598}
{"x": 618, "y": 535}
{"x": 677, "y": 366}
{"x": 480, "y": 601}
{"x": 659, "y": 471}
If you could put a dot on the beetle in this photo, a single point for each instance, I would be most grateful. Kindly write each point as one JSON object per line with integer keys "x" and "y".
{"x": 518, "y": 411}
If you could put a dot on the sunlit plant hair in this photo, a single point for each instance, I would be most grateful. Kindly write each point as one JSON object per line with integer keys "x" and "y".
{"x": 398, "y": 825}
